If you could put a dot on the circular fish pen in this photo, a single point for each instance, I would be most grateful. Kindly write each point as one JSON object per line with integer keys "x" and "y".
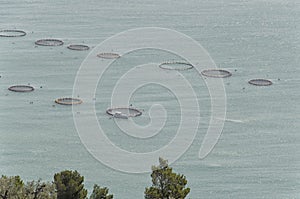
{"x": 260, "y": 82}
{"x": 21, "y": 88}
{"x": 108, "y": 55}
{"x": 78, "y": 47}
{"x": 49, "y": 42}
{"x": 216, "y": 73}
{"x": 123, "y": 112}
{"x": 12, "y": 33}
{"x": 176, "y": 65}
{"x": 68, "y": 101}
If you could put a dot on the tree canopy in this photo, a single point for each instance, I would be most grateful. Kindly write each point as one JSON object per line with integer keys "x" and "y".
{"x": 166, "y": 184}
{"x": 100, "y": 193}
{"x": 40, "y": 190}
{"x": 11, "y": 187}
{"x": 69, "y": 185}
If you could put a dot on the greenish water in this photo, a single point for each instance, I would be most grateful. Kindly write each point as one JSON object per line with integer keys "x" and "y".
{"x": 258, "y": 153}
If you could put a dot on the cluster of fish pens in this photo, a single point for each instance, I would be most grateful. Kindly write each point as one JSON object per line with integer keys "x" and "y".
{"x": 118, "y": 112}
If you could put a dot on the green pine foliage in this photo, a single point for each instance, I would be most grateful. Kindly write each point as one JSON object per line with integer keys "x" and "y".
{"x": 100, "y": 193}
{"x": 69, "y": 185}
{"x": 166, "y": 184}
{"x": 11, "y": 187}
{"x": 40, "y": 190}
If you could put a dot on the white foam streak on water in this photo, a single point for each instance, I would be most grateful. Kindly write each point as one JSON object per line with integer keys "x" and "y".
{"x": 232, "y": 120}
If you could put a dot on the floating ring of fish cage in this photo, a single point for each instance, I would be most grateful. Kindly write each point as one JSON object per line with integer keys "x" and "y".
{"x": 68, "y": 101}
{"x": 176, "y": 65}
{"x": 216, "y": 73}
{"x": 260, "y": 82}
{"x": 124, "y": 111}
{"x": 78, "y": 47}
{"x": 12, "y": 33}
{"x": 49, "y": 42}
{"x": 108, "y": 55}
{"x": 21, "y": 88}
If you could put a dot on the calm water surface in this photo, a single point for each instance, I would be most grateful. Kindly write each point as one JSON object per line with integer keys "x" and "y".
{"x": 258, "y": 153}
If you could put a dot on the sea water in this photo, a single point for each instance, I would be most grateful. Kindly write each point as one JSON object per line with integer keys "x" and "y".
{"x": 257, "y": 155}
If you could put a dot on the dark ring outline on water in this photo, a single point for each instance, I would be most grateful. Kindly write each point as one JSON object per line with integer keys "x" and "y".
{"x": 108, "y": 55}
{"x": 190, "y": 66}
{"x": 74, "y": 101}
{"x": 40, "y": 42}
{"x": 22, "y": 33}
{"x": 264, "y": 82}
{"x": 138, "y": 112}
{"x": 15, "y": 88}
{"x": 78, "y": 47}
{"x": 206, "y": 73}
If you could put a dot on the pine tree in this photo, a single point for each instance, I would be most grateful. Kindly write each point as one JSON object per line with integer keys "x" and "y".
{"x": 11, "y": 187}
{"x": 40, "y": 190}
{"x": 69, "y": 185}
{"x": 100, "y": 193}
{"x": 166, "y": 184}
